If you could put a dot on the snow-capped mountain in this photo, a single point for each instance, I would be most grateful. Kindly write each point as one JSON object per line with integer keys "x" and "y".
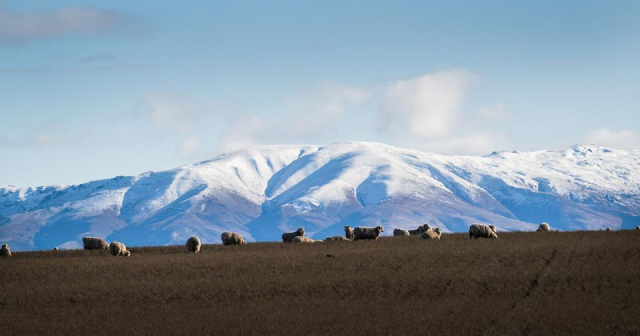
{"x": 262, "y": 191}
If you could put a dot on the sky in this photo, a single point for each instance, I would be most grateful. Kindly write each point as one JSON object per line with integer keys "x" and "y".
{"x": 94, "y": 89}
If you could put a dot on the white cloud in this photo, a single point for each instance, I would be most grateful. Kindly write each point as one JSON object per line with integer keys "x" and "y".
{"x": 497, "y": 112}
{"x": 188, "y": 146}
{"x": 33, "y": 25}
{"x": 426, "y": 106}
{"x": 169, "y": 110}
{"x": 622, "y": 139}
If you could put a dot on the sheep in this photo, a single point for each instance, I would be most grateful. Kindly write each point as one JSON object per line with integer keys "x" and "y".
{"x": 481, "y": 231}
{"x": 337, "y": 238}
{"x": 118, "y": 249}
{"x": 544, "y": 227}
{"x": 401, "y": 232}
{"x": 348, "y": 232}
{"x": 287, "y": 237}
{"x": 193, "y": 244}
{"x": 362, "y": 232}
{"x": 419, "y": 230}
{"x": 433, "y": 233}
{"x": 94, "y": 243}
{"x": 232, "y": 238}
{"x": 303, "y": 239}
{"x": 608, "y": 229}
{"x": 5, "y": 250}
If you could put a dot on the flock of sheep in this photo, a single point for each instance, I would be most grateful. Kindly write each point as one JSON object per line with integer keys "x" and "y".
{"x": 194, "y": 245}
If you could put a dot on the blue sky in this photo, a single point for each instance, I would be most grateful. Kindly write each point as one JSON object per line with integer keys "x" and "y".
{"x": 94, "y": 89}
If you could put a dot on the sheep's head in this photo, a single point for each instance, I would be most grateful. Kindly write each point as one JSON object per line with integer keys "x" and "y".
{"x": 379, "y": 228}
{"x": 300, "y": 232}
{"x": 437, "y": 230}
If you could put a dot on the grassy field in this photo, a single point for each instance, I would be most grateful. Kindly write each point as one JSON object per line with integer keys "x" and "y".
{"x": 521, "y": 283}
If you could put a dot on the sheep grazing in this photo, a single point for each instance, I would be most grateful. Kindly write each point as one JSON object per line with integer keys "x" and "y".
{"x": 118, "y": 249}
{"x": 303, "y": 239}
{"x": 232, "y": 238}
{"x": 401, "y": 232}
{"x": 193, "y": 244}
{"x": 370, "y": 233}
{"x": 419, "y": 230}
{"x": 608, "y": 229}
{"x": 481, "y": 231}
{"x": 287, "y": 237}
{"x": 94, "y": 243}
{"x": 337, "y": 238}
{"x": 348, "y": 232}
{"x": 544, "y": 227}
{"x": 432, "y": 233}
{"x": 5, "y": 251}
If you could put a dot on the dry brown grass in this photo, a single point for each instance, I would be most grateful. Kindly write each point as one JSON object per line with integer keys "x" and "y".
{"x": 521, "y": 283}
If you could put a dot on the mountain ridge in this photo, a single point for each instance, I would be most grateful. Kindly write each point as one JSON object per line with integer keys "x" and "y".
{"x": 262, "y": 191}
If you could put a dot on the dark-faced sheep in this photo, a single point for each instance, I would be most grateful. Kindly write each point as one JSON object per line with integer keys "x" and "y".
{"x": 336, "y": 238}
{"x": 369, "y": 233}
{"x": 481, "y": 231}
{"x": 608, "y": 229}
{"x": 432, "y": 233}
{"x": 303, "y": 239}
{"x": 348, "y": 232}
{"x": 5, "y": 250}
{"x": 232, "y": 238}
{"x": 118, "y": 249}
{"x": 401, "y": 232}
{"x": 56, "y": 249}
{"x": 287, "y": 237}
{"x": 419, "y": 230}
{"x": 94, "y": 243}
{"x": 638, "y": 227}
{"x": 544, "y": 227}
{"x": 193, "y": 244}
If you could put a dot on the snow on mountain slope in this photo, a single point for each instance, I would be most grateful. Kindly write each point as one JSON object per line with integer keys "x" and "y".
{"x": 265, "y": 190}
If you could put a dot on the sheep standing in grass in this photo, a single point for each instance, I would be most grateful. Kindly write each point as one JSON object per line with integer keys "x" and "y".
{"x": 336, "y": 238}
{"x": 303, "y": 239}
{"x": 481, "y": 231}
{"x": 5, "y": 251}
{"x": 419, "y": 230}
{"x": 118, "y": 249}
{"x": 370, "y": 233}
{"x": 544, "y": 227}
{"x": 287, "y": 237}
{"x": 432, "y": 233}
{"x": 193, "y": 244}
{"x": 232, "y": 238}
{"x": 94, "y": 243}
{"x": 348, "y": 232}
{"x": 401, "y": 232}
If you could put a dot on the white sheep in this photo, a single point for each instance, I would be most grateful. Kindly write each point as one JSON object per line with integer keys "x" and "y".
{"x": 193, "y": 244}
{"x": 401, "y": 232}
{"x": 303, "y": 239}
{"x": 348, "y": 232}
{"x": 544, "y": 227}
{"x": 287, "y": 237}
{"x": 432, "y": 233}
{"x": 118, "y": 249}
{"x": 370, "y": 233}
{"x": 232, "y": 238}
{"x": 336, "y": 238}
{"x": 94, "y": 243}
{"x": 5, "y": 250}
{"x": 481, "y": 231}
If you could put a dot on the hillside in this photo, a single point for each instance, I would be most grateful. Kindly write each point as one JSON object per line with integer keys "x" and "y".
{"x": 561, "y": 283}
{"x": 263, "y": 191}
